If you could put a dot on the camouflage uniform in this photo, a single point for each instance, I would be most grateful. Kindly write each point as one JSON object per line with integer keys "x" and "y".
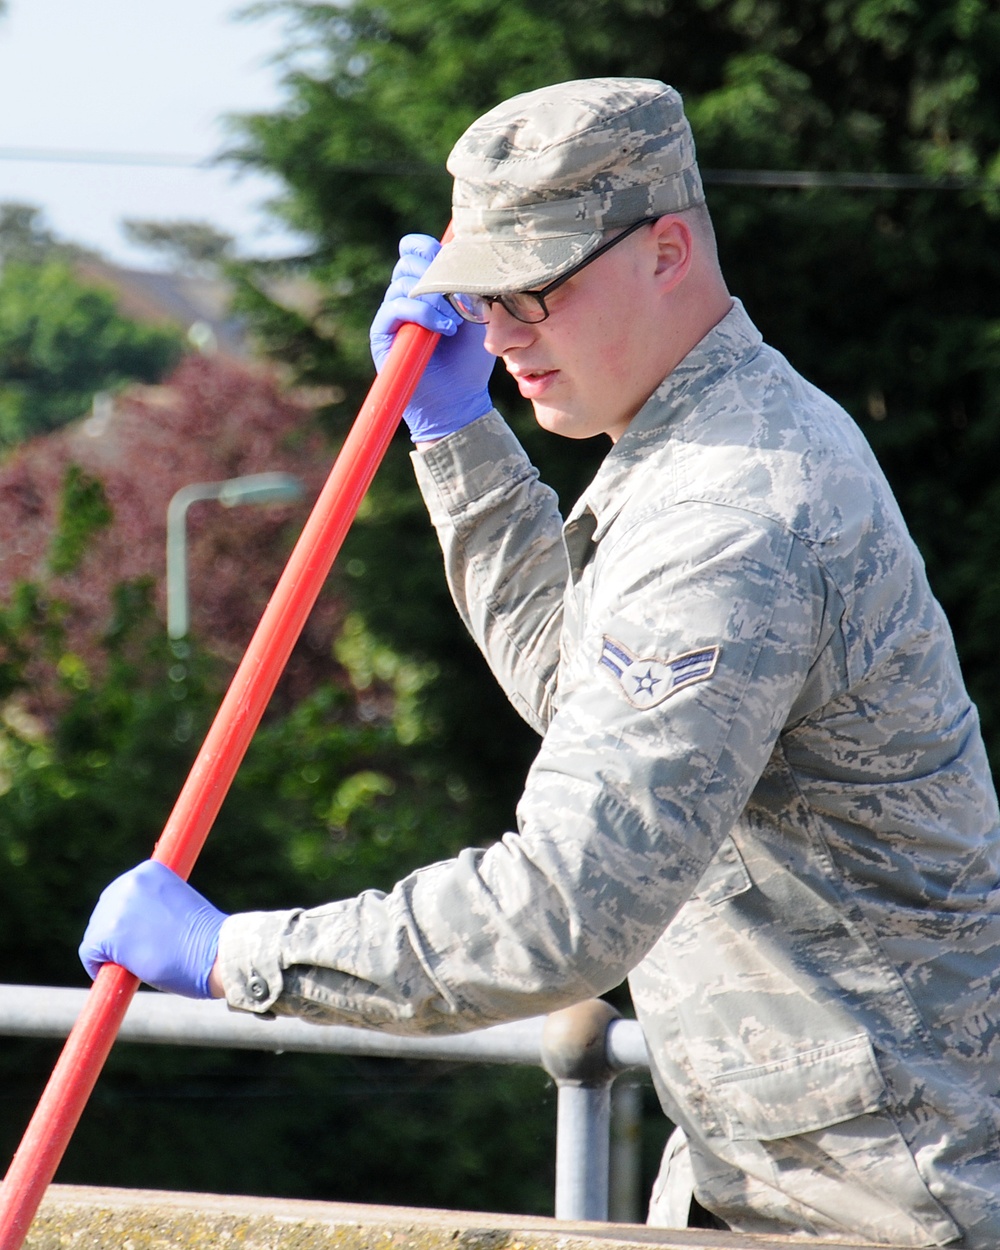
{"x": 761, "y": 793}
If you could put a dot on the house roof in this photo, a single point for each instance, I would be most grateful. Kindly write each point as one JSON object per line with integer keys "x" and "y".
{"x": 198, "y": 304}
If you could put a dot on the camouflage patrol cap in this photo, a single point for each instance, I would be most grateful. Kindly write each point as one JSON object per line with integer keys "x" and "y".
{"x": 541, "y": 177}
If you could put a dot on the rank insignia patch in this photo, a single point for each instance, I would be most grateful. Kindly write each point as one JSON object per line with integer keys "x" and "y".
{"x": 647, "y": 681}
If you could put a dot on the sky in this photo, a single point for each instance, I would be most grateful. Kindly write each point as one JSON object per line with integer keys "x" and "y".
{"x": 149, "y": 77}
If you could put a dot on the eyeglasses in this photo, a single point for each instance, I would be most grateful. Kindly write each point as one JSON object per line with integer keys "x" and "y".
{"x": 529, "y": 306}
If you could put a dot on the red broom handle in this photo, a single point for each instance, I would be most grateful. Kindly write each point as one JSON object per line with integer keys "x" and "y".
{"x": 90, "y": 1041}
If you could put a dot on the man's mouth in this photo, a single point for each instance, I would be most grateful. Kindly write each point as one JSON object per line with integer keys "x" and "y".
{"x": 532, "y": 382}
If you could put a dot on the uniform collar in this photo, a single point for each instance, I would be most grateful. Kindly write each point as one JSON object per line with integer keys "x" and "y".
{"x": 734, "y": 340}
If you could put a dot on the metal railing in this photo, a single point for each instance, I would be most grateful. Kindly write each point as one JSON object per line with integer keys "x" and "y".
{"x": 583, "y": 1048}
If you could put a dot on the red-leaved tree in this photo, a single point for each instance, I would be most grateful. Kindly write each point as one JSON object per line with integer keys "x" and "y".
{"x": 212, "y": 420}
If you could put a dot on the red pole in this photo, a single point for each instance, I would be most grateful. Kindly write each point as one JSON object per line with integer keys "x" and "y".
{"x": 82, "y": 1058}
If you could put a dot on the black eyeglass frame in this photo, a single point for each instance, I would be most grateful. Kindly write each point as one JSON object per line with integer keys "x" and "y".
{"x": 539, "y": 295}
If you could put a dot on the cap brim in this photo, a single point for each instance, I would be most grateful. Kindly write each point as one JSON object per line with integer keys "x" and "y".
{"x": 483, "y": 266}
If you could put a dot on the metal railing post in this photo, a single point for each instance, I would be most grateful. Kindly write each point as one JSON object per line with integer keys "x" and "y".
{"x": 574, "y": 1053}
{"x": 625, "y": 1184}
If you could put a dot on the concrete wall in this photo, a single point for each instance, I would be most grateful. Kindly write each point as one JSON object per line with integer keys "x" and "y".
{"x": 78, "y": 1218}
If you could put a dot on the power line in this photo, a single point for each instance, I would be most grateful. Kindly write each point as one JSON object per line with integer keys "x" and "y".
{"x": 74, "y": 156}
{"x": 801, "y": 179}
{"x": 804, "y": 178}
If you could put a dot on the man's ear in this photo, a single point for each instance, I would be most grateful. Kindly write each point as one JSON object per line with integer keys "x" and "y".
{"x": 674, "y": 244}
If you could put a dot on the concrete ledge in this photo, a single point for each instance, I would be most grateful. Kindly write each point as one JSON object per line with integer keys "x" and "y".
{"x": 81, "y": 1218}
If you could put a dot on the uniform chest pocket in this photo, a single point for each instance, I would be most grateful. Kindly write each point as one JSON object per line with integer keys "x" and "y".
{"x": 725, "y": 877}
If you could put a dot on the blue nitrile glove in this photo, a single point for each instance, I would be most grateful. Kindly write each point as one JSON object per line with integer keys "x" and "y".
{"x": 153, "y": 923}
{"x": 452, "y": 391}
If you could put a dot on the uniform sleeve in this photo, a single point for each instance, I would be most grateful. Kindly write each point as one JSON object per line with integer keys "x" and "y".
{"x": 501, "y": 535}
{"x": 702, "y": 627}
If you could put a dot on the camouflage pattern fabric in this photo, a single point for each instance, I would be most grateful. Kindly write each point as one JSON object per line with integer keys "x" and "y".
{"x": 761, "y": 792}
{"x": 541, "y": 178}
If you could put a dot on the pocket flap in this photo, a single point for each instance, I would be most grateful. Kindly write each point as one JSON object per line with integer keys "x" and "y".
{"x": 805, "y": 1092}
{"x": 725, "y": 877}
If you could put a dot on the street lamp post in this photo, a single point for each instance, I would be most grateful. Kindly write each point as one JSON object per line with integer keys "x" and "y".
{"x": 255, "y": 488}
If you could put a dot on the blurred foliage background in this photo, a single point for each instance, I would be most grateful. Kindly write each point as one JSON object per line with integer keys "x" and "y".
{"x": 392, "y": 746}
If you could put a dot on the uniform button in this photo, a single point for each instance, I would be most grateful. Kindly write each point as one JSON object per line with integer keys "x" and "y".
{"x": 257, "y": 988}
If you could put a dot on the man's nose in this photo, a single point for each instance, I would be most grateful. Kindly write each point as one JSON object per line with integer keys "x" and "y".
{"x": 504, "y": 332}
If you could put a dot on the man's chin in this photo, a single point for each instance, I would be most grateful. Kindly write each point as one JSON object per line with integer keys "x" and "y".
{"x": 565, "y": 424}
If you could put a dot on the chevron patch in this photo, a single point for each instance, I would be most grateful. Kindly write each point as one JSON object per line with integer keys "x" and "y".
{"x": 646, "y": 681}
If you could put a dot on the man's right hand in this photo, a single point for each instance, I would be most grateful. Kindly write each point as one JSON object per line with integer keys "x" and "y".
{"x": 150, "y": 921}
{"x": 452, "y": 391}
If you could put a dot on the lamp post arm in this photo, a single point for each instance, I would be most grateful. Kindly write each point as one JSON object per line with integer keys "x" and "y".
{"x": 177, "y": 592}
{"x": 254, "y": 488}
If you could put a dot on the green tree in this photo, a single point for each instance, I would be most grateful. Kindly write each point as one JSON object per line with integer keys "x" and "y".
{"x": 83, "y": 510}
{"x": 24, "y": 235}
{"x": 193, "y": 246}
{"x": 62, "y": 341}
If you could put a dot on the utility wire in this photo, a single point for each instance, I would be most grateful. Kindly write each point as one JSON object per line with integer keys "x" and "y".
{"x": 791, "y": 178}
{"x": 846, "y": 181}
{"x": 73, "y": 156}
